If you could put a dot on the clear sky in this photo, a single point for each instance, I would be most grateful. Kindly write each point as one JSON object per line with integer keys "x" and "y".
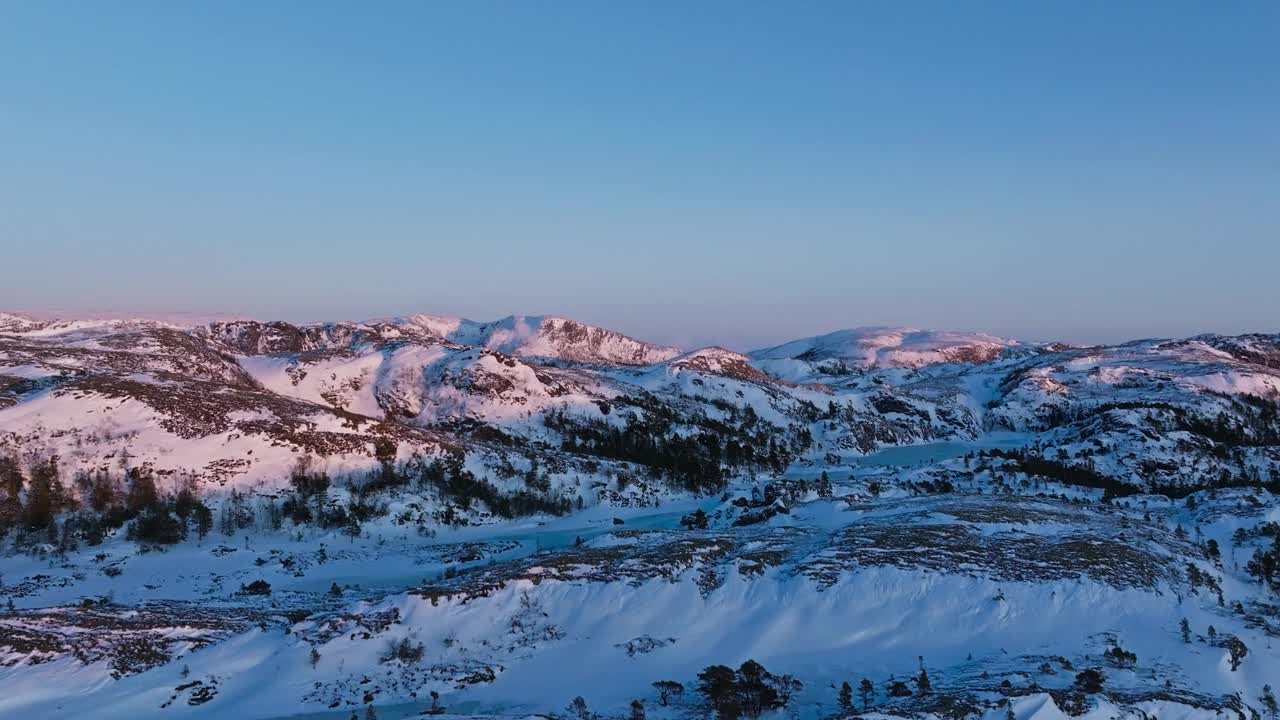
{"x": 689, "y": 172}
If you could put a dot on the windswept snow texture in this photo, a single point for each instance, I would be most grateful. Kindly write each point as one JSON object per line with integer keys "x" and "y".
{"x": 517, "y": 513}
{"x": 547, "y": 338}
{"x": 887, "y": 347}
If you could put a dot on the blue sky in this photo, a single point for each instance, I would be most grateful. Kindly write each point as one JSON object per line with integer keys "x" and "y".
{"x": 738, "y": 172}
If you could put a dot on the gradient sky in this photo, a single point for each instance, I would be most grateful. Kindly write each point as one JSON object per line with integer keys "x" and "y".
{"x": 689, "y": 172}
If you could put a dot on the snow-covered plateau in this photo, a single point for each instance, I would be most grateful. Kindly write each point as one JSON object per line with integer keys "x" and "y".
{"x": 537, "y": 517}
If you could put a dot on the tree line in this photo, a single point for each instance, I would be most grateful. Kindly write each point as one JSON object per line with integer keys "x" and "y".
{"x": 95, "y": 503}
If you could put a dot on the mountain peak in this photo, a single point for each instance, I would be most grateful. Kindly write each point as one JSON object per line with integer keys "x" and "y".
{"x": 889, "y": 346}
{"x": 546, "y": 337}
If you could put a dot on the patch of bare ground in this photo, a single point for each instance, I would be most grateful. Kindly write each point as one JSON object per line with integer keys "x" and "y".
{"x": 648, "y": 555}
{"x": 661, "y": 554}
{"x": 140, "y": 350}
{"x": 129, "y": 640}
{"x": 196, "y": 409}
{"x": 1008, "y": 556}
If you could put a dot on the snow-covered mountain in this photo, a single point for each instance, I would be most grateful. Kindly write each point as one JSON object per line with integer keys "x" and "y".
{"x": 542, "y": 337}
{"x": 263, "y": 519}
{"x": 240, "y": 401}
{"x": 865, "y": 348}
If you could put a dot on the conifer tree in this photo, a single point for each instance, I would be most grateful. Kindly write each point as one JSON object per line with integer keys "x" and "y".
{"x": 866, "y": 690}
{"x": 846, "y": 696}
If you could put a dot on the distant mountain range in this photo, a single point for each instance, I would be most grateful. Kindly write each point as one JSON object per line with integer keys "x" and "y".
{"x": 240, "y": 401}
{"x": 535, "y": 517}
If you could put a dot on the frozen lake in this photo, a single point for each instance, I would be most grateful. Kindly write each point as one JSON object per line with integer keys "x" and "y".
{"x": 395, "y": 571}
{"x": 928, "y": 453}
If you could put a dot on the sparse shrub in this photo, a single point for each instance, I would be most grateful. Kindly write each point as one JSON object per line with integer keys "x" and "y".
{"x": 405, "y": 651}
{"x": 1237, "y": 650}
{"x": 1073, "y": 704}
{"x": 696, "y": 520}
{"x": 1269, "y": 704}
{"x": 1121, "y": 658}
{"x": 435, "y": 708}
{"x": 668, "y": 689}
{"x": 578, "y": 709}
{"x": 1090, "y": 681}
{"x": 257, "y": 587}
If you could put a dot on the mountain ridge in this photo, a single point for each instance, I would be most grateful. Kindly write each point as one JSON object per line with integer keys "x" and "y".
{"x": 357, "y": 514}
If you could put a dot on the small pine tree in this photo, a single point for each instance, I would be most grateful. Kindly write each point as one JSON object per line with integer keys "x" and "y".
{"x": 1269, "y": 702}
{"x": 637, "y": 710}
{"x": 923, "y": 684}
{"x": 578, "y": 708}
{"x": 1186, "y": 630}
{"x": 1213, "y": 634}
{"x": 352, "y": 528}
{"x": 203, "y": 519}
{"x": 866, "y": 690}
{"x": 846, "y": 696}
{"x": 370, "y": 714}
{"x": 315, "y": 657}
{"x": 824, "y": 485}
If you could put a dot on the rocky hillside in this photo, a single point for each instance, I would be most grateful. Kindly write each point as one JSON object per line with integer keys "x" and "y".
{"x": 242, "y": 401}
{"x": 421, "y": 514}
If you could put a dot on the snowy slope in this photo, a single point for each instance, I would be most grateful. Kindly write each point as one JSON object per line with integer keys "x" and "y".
{"x": 545, "y": 337}
{"x": 519, "y": 499}
{"x": 881, "y": 347}
{"x": 835, "y": 590}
